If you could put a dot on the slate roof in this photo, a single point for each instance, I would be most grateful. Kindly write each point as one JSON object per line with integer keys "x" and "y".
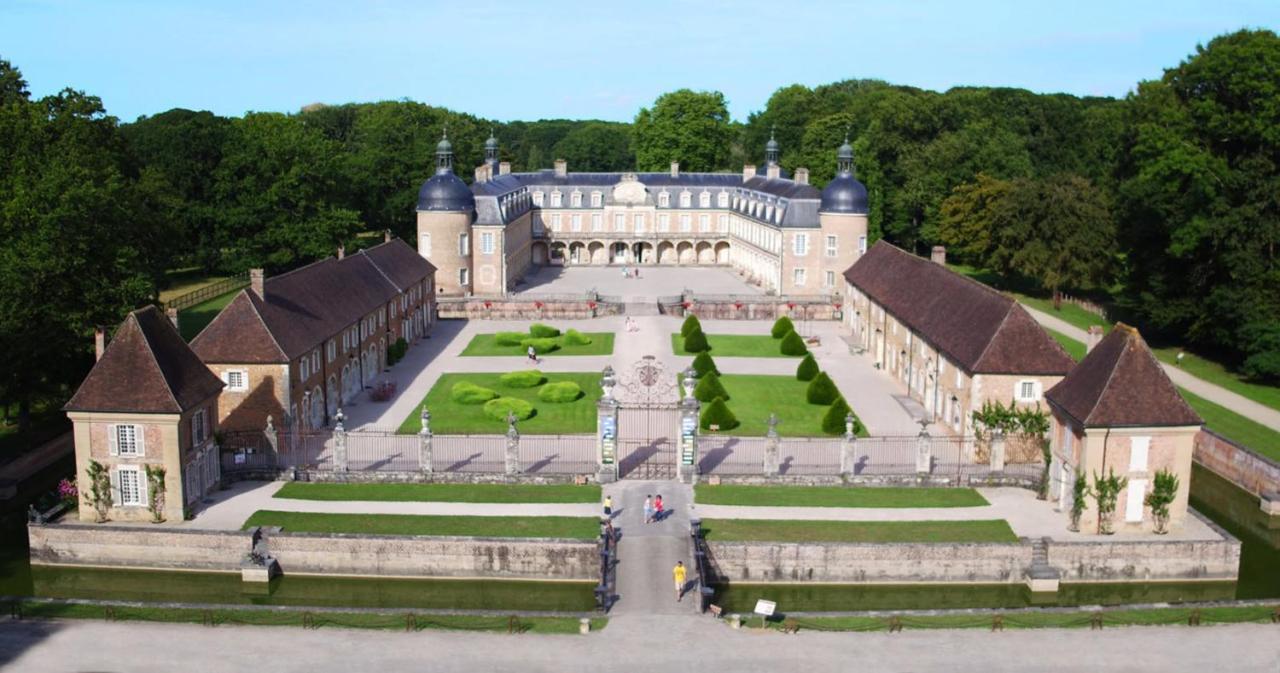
{"x": 979, "y": 329}
{"x": 146, "y": 368}
{"x": 1120, "y": 384}
{"x": 302, "y": 308}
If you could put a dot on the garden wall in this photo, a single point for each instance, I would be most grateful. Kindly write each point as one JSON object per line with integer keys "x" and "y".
{"x": 1142, "y": 561}
{"x": 137, "y": 547}
{"x": 516, "y": 309}
{"x": 843, "y": 562}
{"x": 1248, "y": 470}
{"x": 750, "y": 307}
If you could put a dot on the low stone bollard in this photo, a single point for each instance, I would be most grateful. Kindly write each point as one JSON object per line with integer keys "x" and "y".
{"x": 735, "y": 621}
{"x": 584, "y": 626}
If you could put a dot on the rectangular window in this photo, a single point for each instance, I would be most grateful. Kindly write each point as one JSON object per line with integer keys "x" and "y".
{"x": 1133, "y": 503}
{"x": 704, "y": 222}
{"x": 464, "y": 244}
{"x": 597, "y": 222}
{"x": 575, "y": 199}
{"x": 128, "y": 440}
{"x": 537, "y": 199}
{"x": 800, "y": 245}
{"x": 486, "y": 243}
{"x": 331, "y": 350}
{"x": 685, "y": 224}
{"x": 1028, "y": 391}
{"x": 799, "y": 277}
{"x": 862, "y": 245}
{"x": 595, "y": 199}
{"x": 1139, "y": 448}
{"x": 198, "y": 429}
{"x": 315, "y": 360}
{"x": 555, "y": 222}
{"x": 724, "y": 223}
{"x": 664, "y": 200}
{"x": 664, "y": 222}
{"x": 831, "y": 246}
{"x": 830, "y": 279}
{"x": 463, "y": 277}
{"x": 685, "y": 199}
{"x": 575, "y": 223}
{"x": 704, "y": 200}
{"x": 304, "y": 369}
{"x": 346, "y": 340}
{"x": 424, "y": 244}
{"x": 237, "y": 380}
{"x": 619, "y": 222}
{"x": 132, "y": 486}
{"x": 722, "y": 199}
{"x": 639, "y": 219}
{"x": 556, "y": 199}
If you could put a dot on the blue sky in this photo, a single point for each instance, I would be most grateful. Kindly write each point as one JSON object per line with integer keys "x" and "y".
{"x": 532, "y": 60}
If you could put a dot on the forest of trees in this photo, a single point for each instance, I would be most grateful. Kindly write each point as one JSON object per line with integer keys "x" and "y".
{"x": 1164, "y": 204}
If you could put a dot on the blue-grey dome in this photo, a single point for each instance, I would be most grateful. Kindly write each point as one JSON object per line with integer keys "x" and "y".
{"x": 844, "y": 194}
{"x": 445, "y": 191}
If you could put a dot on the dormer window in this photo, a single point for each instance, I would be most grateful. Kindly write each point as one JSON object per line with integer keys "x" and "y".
{"x": 556, "y": 200}
{"x": 704, "y": 200}
{"x": 575, "y": 199}
{"x": 596, "y": 199}
{"x": 722, "y": 200}
{"x": 686, "y": 199}
{"x": 664, "y": 200}
{"x": 537, "y": 199}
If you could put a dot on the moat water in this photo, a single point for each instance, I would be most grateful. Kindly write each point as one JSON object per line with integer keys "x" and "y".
{"x": 1228, "y": 506}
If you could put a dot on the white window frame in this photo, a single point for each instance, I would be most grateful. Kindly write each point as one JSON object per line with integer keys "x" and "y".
{"x": 304, "y": 369}
{"x": 486, "y": 243}
{"x": 722, "y": 200}
{"x": 1139, "y": 453}
{"x": 597, "y": 222}
{"x": 199, "y": 427}
{"x": 424, "y": 244}
{"x": 798, "y": 277}
{"x": 800, "y": 245}
{"x": 832, "y": 245}
{"x": 862, "y": 245}
{"x": 230, "y": 374}
{"x": 136, "y": 440}
{"x": 597, "y": 199}
{"x": 830, "y": 279}
{"x": 537, "y": 199}
{"x": 575, "y": 222}
{"x": 1019, "y": 390}
{"x": 464, "y": 276}
{"x": 639, "y": 222}
{"x": 664, "y": 200}
{"x": 619, "y": 222}
{"x": 575, "y": 200}
{"x": 664, "y": 222}
{"x": 557, "y": 199}
{"x": 686, "y": 222}
{"x": 139, "y": 486}
{"x": 704, "y": 199}
{"x": 464, "y": 244}
{"x": 555, "y": 222}
{"x": 1133, "y": 506}
{"x": 704, "y": 222}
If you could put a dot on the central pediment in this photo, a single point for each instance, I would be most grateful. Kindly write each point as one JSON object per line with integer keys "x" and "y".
{"x": 630, "y": 191}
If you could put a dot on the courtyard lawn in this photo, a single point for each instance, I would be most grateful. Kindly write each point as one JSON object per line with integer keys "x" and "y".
{"x": 483, "y": 345}
{"x": 500, "y": 493}
{"x": 192, "y": 320}
{"x": 577, "y": 528}
{"x": 761, "y": 530}
{"x": 752, "y": 397}
{"x": 451, "y": 418}
{"x": 837, "y": 496}
{"x": 736, "y": 346}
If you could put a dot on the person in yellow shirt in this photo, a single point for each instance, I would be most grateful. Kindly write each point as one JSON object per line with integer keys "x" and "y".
{"x": 679, "y": 573}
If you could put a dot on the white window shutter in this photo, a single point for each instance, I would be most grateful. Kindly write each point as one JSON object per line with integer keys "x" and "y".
{"x": 115, "y": 487}
{"x": 140, "y": 435}
{"x": 1133, "y": 504}
{"x": 224, "y": 378}
{"x": 143, "y": 485}
{"x": 113, "y": 447}
{"x": 1139, "y": 447}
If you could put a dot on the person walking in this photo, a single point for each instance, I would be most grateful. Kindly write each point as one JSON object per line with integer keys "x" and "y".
{"x": 608, "y": 507}
{"x": 533, "y": 355}
{"x": 679, "y": 574}
{"x": 648, "y": 509}
{"x": 657, "y": 508}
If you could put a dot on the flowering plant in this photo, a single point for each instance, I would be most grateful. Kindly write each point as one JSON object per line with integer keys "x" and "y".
{"x": 67, "y": 492}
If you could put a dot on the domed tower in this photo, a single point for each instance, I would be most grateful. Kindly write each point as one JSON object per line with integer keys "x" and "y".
{"x": 491, "y": 153}
{"x": 446, "y": 209}
{"x": 772, "y": 152}
{"x": 842, "y": 215}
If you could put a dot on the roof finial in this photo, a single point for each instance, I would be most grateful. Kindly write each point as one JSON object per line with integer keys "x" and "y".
{"x": 772, "y": 128}
{"x": 444, "y": 135}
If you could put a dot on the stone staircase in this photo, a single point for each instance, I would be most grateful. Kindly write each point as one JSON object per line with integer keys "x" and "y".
{"x": 640, "y": 306}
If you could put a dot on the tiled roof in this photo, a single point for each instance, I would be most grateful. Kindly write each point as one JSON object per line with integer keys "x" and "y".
{"x": 979, "y": 329}
{"x": 1120, "y": 384}
{"x": 302, "y": 308}
{"x": 146, "y": 368}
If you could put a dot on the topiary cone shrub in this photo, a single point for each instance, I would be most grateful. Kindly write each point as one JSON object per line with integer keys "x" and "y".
{"x": 781, "y": 326}
{"x": 703, "y": 365}
{"x": 696, "y": 342}
{"x": 690, "y": 325}
{"x": 833, "y": 420}
{"x": 821, "y": 390}
{"x": 792, "y": 344}
{"x": 717, "y": 413}
{"x": 807, "y": 370}
{"x": 498, "y": 409}
{"x": 709, "y": 388}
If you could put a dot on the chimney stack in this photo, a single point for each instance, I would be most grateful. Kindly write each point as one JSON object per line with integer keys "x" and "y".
{"x": 482, "y": 173}
{"x": 386, "y": 235}
{"x": 939, "y": 255}
{"x": 773, "y": 171}
{"x": 504, "y": 167}
{"x": 562, "y": 168}
{"x": 99, "y": 342}
{"x": 1092, "y": 337}
{"x": 256, "y": 282}
{"x": 173, "y": 315}
{"x": 675, "y": 169}
{"x": 802, "y": 176}
{"x": 748, "y": 172}
{"x": 342, "y": 251}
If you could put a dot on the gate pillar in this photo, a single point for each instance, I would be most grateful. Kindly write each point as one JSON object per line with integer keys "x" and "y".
{"x": 771, "y": 447}
{"x": 848, "y": 448}
{"x": 513, "y": 446}
{"x": 425, "y": 457}
{"x": 924, "y": 453}
{"x": 339, "y": 443}
{"x": 688, "y": 468}
{"x": 607, "y": 430}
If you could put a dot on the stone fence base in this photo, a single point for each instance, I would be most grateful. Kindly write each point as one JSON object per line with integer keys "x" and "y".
{"x": 1244, "y": 467}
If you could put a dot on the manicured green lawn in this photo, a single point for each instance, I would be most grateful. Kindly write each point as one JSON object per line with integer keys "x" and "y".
{"x": 1074, "y": 348}
{"x": 1039, "y": 620}
{"x": 186, "y": 281}
{"x": 837, "y": 496}
{"x": 192, "y": 320}
{"x": 1069, "y": 313}
{"x": 483, "y": 345}
{"x": 761, "y": 530}
{"x": 451, "y": 418}
{"x": 502, "y": 493}
{"x": 579, "y": 528}
{"x": 1217, "y": 374}
{"x": 736, "y": 345}
{"x": 753, "y": 396}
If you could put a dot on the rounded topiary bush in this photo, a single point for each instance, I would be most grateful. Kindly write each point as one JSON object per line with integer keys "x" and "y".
{"x": 466, "y": 392}
{"x": 540, "y": 345}
{"x": 703, "y": 365}
{"x": 499, "y": 408}
{"x": 575, "y": 338}
{"x": 560, "y": 392}
{"x": 792, "y": 344}
{"x": 709, "y": 388}
{"x": 717, "y": 413}
{"x": 690, "y": 325}
{"x": 528, "y": 378}
{"x": 696, "y": 342}
{"x": 833, "y": 420}
{"x": 781, "y": 326}
{"x": 542, "y": 331}
{"x": 821, "y": 390}
{"x": 808, "y": 368}
{"x": 509, "y": 338}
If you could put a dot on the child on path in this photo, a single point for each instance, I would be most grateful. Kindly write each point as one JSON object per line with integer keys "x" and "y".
{"x": 608, "y": 507}
{"x": 648, "y": 508}
{"x": 657, "y": 508}
{"x": 679, "y": 573}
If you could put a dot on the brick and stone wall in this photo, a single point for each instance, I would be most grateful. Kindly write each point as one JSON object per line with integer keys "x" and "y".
{"x": 1247, "y": 469}
{"x": 1113, "y": 561}
{"x": 518, "y": 309}
{"x": 749, "y": 308}
{"x": 839, "y": 562}
{"x": 136, "y": 547}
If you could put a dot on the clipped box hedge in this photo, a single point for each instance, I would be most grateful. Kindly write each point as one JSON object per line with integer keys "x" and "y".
{"x": 499, "y": 408}
{"x": 540, "y": 345}
{"x": 465, "y": 392}
{"x": 529, "y": 378}
{"x": 560, "y": 392}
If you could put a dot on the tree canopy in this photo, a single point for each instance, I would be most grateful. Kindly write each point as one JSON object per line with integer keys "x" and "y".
{"x": 691, "y": 127}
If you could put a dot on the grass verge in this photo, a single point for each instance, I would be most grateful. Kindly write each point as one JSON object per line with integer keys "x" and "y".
{"x": 577, "y": 528}
{"x": 483, "y": 345}
{"x": 192, "y": 320}
{"x": 736, "y": 345}
{"x": 404, "y": 621}
{"x": 762, "y": 530}
{"x": 500, "y": 493}
{"x": 1038, "y": 620}
{"x": 752, "y": 397}
{"x": 837, "y": 496}
{"x": 449, "y": 417}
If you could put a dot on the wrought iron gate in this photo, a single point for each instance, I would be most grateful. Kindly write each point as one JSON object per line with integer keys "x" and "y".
{"x": 648, "y": 421}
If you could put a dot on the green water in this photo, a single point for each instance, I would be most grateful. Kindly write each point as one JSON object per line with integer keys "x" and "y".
{"x": 1227, "y": 505}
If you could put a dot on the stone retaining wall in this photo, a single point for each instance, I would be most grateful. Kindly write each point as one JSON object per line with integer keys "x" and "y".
{"x": 515, "y": 309}
{"x": 137, "y": 547}
{"x": 841, "y": 562}
{"x": 747, "y": 309}
{"x": 1248, "y": 470}
{"x": 1143, "y": 561}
